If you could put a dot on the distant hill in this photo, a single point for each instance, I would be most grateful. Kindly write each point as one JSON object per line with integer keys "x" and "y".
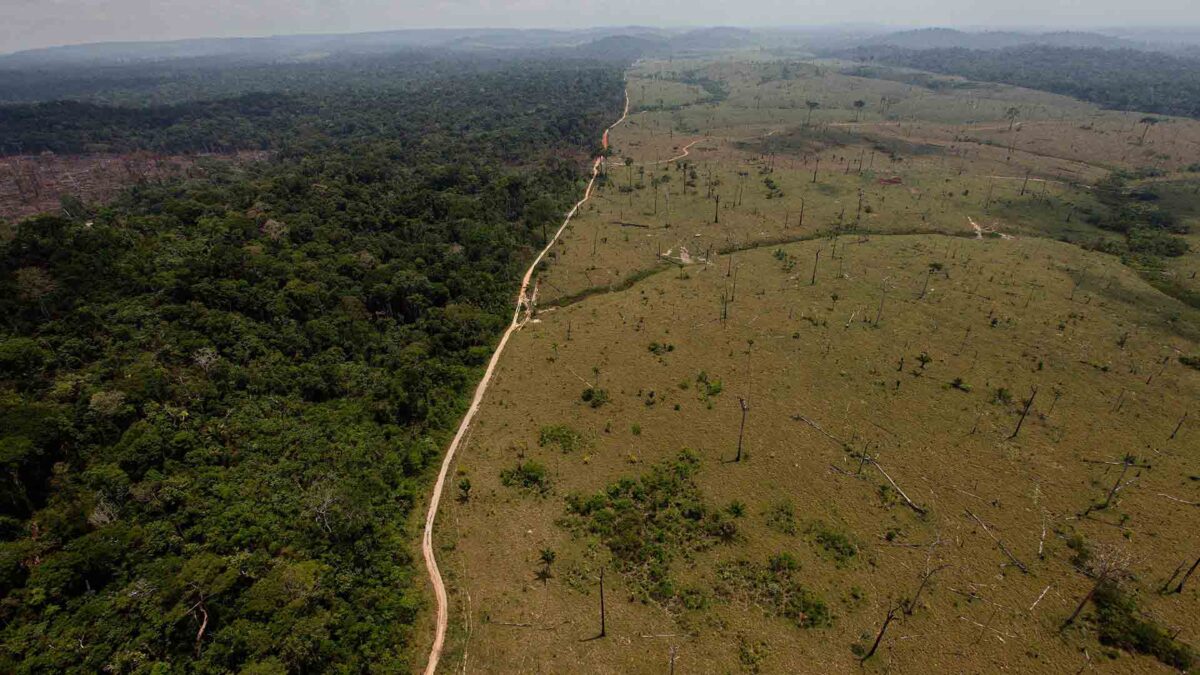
{"x": 947, "y": 38}
{"x": 1122, "y": 79}
{"x": 721, "y": 37}
{"x": 622, "y": 48}
{"x": 294, "y": 47}
{"x": 606, "y": 43}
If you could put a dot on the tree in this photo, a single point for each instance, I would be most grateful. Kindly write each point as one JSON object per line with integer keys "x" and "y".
{"x": 547, "y": 558}
{"x": 1011, "y": 115}
{"x": 858, "y": 108}
{"x": 1148, "y": 122}
{"x": 812, "y": 106}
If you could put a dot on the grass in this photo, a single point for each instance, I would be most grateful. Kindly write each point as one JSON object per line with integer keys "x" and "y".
{"x": 813, "y": 522}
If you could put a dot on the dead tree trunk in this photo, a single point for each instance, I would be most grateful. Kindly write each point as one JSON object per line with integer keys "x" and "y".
{"x": 1178, "y": 427}
{"x": 1125, "y": 464}
{"x": 912, "y": 604}
{"x": 603, "y": 629}
{"x": 1179, "y": 588}
{"x": 1028, "y": 405}
{"x": 816, "y": 261}
{"x": 1082, "y": 603}
{"x": 879, "y": 638}
{"x": 741, "y": 432}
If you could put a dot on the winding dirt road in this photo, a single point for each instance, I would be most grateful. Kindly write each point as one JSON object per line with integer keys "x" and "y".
{"x": 521, "y": 315}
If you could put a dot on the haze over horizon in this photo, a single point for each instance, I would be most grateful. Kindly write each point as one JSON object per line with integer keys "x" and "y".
{"x": 34, "y": 24}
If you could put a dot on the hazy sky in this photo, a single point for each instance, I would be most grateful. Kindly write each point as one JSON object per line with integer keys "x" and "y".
{"x": 37, "y": 23}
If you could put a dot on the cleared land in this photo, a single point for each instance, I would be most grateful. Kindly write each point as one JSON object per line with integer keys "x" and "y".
{"x": 881, "y": 353}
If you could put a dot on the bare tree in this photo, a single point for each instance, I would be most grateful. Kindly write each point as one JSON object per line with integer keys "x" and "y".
{"x": 745, "y": 409}
{"x": 1028, "y": 405}
{"x": 879, "y": 638}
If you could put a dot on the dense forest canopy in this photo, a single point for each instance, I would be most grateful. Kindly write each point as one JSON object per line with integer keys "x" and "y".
{"x": 394, "y": 97}
{"x": 219, "y": 397}
{"x": 1119, "y": 79}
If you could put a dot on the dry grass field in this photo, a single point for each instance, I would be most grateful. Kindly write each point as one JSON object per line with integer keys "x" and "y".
{"x": 866, "y": 312}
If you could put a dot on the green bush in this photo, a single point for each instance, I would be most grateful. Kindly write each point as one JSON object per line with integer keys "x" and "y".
{"x": 648, "y": 522}
{"x": 774, "y": 587}
{"x": 527, "y": 475}
{"x": 594, "y": 396}
{"x": 837, "y": 544}
{"x": 563, "y": 436}
{"x": 1120, "y": 626}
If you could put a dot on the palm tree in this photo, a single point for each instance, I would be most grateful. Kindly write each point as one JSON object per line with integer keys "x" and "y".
{"x": 812, "y": 105}
{"x": 1149, "y": 122}
{"x": 858, "y": 108}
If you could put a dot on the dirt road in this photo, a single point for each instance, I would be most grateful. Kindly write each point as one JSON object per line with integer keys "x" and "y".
{"x": 520, "y": 315}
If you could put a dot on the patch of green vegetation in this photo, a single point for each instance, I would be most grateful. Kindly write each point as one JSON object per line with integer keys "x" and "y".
{"x": 751, "y": 653}
{"x": 775, "y": 587}
{"x": 528, "y": 475}
{"x": 563, "y": 436}
{"x": 594, "y": 396}
{"x": 660, "y": 348}
{"x": 646, "y": 523}
{"x": 1120, "y": 625}
{"x": 837, "y": 544}
{"x": 781, "y": 517}
{"x": 706, "y": 386}
{"x": 1191, "y": 361}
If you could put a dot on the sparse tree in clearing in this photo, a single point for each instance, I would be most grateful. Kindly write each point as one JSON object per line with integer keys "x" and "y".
{"x": 1148, "y": 122}
{"x": 741, "y": 432}
{"x": 603, "y": 628}
{"x": 812, "y": 105}
{"x": 924, "y": 359}
{"x": 464, "y": 490}
{"x": 1028, "y": 405}
{"x": 858, "y": 108}
{"x": 547, "y": 558}
{"x": 1011, "y": 115}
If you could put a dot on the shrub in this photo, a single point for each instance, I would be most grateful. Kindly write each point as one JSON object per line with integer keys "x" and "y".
{"x": 837, "y": 544}
{"x": 781, "y": 517}
{"x": 1120, "y": 626}
{"x": 775, "y": 588}
{"x": 648, "y": 522}
{"x": 594, "y": 396}
{"x": 660, "y": 348}
{"x": 527, "y": 475}
{"x": 566, "y": 438}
